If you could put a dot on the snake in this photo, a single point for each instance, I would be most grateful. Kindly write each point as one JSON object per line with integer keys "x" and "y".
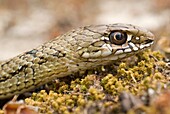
{"x": 77, "y": 50}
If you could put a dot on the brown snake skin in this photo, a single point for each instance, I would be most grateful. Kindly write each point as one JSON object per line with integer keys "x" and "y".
{"x": 78, "y": 50}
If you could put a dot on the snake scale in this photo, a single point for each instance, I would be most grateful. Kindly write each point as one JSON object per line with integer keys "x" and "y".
{"x": 78, "y": 50}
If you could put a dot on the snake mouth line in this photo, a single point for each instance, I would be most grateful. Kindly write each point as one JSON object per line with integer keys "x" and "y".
{"x": 130, "y": 49}
{"x": 134, "y": 47}
{"x": 146, "y": 44}
{"x": 148, "y": 41}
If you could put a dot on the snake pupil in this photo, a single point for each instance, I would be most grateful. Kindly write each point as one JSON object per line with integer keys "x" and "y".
{"x": 117, "y": 37}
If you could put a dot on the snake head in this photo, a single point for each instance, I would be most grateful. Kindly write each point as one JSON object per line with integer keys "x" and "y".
{"x": 115, "y": 41}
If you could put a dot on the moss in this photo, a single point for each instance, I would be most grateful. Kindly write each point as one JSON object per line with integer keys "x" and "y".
{"x": 80, "y": 94}
{"x": 101, "y": 93}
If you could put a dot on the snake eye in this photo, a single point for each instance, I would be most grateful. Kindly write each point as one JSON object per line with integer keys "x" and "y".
{"x": 117, "y": 37}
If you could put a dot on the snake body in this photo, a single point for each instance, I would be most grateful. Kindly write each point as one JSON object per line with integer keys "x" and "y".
{"x": 78, "y": 50}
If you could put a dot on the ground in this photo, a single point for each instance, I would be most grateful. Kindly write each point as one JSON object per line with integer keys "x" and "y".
{"x": 136, "y": 87}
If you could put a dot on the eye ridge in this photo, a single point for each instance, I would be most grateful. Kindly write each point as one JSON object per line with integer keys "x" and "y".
{"x": 118, "y": 37}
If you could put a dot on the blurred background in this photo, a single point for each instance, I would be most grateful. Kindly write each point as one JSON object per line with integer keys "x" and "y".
{"x": 25, "y": 24}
